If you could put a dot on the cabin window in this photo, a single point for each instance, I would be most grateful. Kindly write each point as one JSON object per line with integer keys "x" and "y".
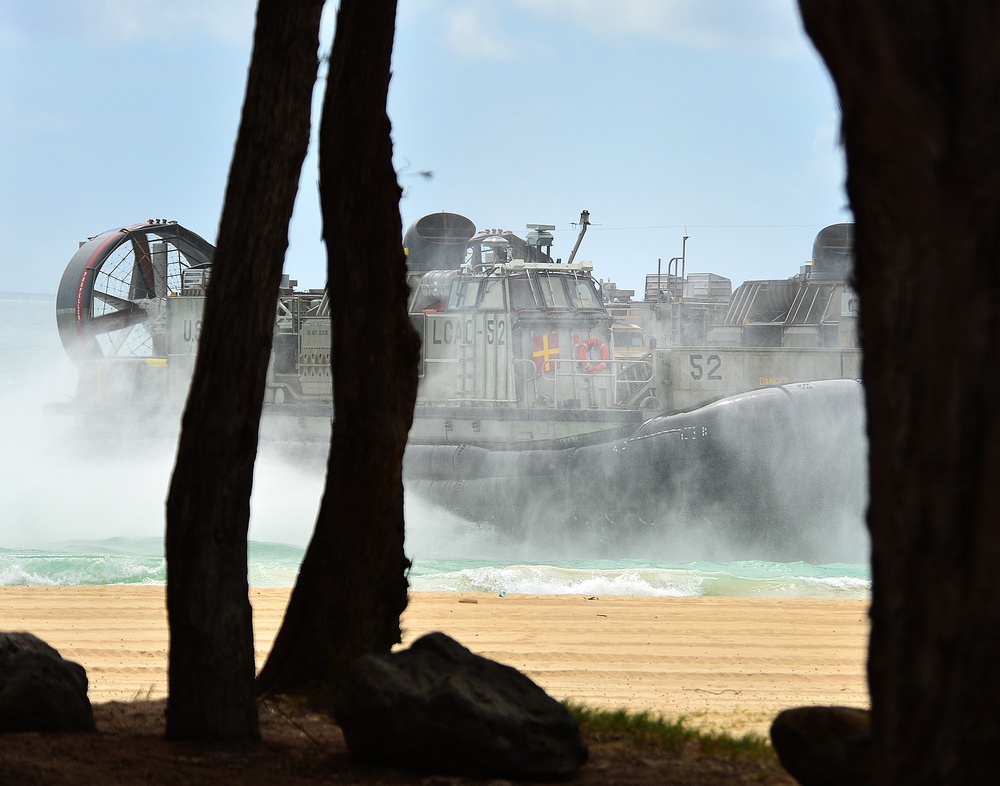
{"x": 553, "y": 293}
{"x": 465, "y": 294}
{"x": 521, "y": 296}
{"x": 491, "y": 298}
{"x": 584, "y": 293}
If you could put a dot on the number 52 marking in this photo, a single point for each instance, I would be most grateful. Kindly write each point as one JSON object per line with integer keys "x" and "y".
{"x": 706, "y": 368}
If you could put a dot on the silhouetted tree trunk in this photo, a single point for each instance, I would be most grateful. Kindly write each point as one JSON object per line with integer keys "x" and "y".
{"x": 352, "y": 587}
{"x": 919, "y": 85}
{"x": 211, "y": 668}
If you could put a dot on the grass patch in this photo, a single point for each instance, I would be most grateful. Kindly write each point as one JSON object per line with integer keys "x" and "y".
{"x": 143, "y": 694}
{"x": 643, "y": 729}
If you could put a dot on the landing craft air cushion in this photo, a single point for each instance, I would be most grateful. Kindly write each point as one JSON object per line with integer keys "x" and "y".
{"x": 547, "y": 398}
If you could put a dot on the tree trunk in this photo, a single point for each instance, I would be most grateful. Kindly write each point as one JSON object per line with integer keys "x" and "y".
{"x": 352, "y": 586}
{"x": 919, "y": 86}
{"x": 211, "y": 667}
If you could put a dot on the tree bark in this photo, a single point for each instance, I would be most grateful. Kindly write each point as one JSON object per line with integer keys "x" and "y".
{"x": 919, "y": 86}
{"x": 352, "y": 586}
{"x": 211, "y": 666}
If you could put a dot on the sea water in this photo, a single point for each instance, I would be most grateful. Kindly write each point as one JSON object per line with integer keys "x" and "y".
{"x": 91, "y": 512}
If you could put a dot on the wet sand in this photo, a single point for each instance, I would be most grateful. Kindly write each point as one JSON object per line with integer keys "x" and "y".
{"x": 725, "y": 663}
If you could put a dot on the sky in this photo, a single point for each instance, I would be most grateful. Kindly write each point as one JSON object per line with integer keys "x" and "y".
{"x": 710, "y": 118}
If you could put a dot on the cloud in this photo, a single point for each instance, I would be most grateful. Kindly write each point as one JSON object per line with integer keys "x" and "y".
{"x": 476, "y": 31}
{"x": 117, "y": 22}
{"x": 769, "y": 27}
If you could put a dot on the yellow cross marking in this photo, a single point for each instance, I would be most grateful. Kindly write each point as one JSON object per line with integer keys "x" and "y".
{"x": 546, "y": 352}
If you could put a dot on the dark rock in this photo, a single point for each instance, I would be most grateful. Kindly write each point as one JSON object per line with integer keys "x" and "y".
{"x": 824, "y": 746}
{"x": 438, "y": 708}
{"x": 39, "y": 689}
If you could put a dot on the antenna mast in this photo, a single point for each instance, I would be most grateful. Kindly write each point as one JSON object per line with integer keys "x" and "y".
{"x": 584, "y": 223}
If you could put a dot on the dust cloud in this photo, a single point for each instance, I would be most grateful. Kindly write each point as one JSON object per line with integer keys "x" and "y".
{"x": 62, "y": 481}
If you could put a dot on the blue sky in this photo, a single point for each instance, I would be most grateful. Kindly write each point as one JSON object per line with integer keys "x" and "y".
{"x": 714, "y": 117}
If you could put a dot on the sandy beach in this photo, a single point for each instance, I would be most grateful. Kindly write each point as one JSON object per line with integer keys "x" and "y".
{"x": 725, "y": 663}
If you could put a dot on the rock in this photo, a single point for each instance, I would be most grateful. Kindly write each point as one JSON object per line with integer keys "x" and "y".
{"x": 824, "y": 746}
{"x": 39, "y": 689}
{"x": 438, "y": 708}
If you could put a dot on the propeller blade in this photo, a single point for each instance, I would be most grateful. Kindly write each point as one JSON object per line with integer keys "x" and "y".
{"x": 118, "y": 320}
{"x": 143, "y": 283}
{"x": 118, "y": 303}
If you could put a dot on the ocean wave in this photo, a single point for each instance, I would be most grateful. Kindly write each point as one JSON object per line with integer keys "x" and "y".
{"x": 36, "y": 568}
{"x": 142, "y": 561}
{"x": 761, "y": 580}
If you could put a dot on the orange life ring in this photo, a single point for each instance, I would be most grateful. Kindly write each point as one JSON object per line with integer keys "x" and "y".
{"x": 584, "y": 352}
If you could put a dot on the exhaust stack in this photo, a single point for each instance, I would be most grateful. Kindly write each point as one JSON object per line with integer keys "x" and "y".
{"x": 437, "y": 242}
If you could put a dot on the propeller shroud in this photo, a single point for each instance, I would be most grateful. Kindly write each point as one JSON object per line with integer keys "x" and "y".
{"x": 111, "y": 300}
